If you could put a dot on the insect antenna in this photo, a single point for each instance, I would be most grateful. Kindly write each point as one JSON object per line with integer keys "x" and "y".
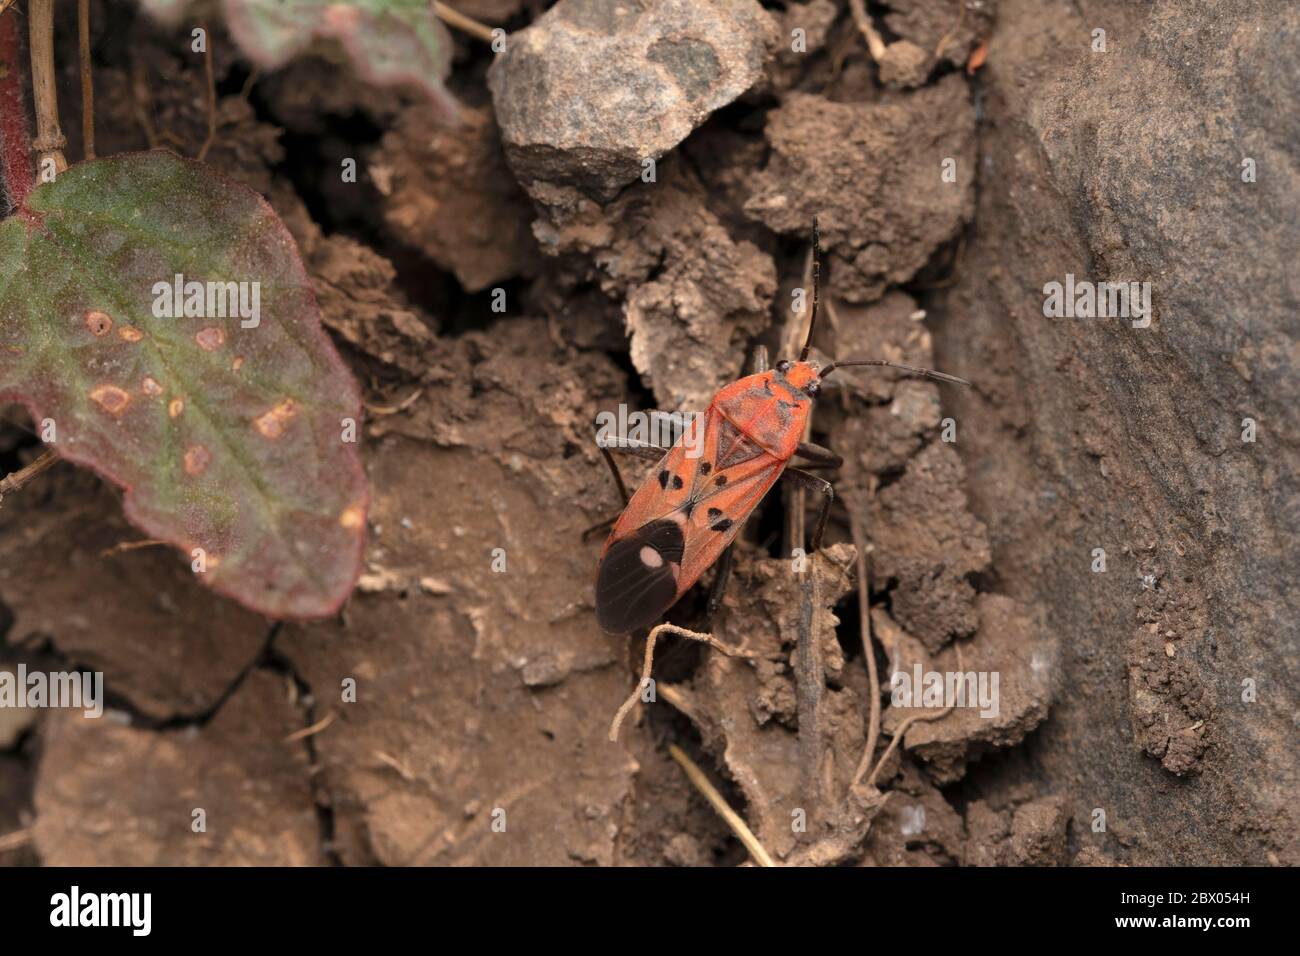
{"x": 816, "y": 276}
{"x": 925, "y": 372}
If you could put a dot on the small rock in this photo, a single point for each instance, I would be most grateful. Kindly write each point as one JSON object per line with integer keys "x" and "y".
{"x": 1038, "y": 833}
{"x": 545, "y": 670}
{"x": 904, "y": 65}
{"x": 376, "y": 580}
{"x": 1091, "y": 856}
{"x": 987, "y": 829}
{"x": 684, "y": 850}
{"x": 815, "y": 20}
{"x": 592, "y": 89}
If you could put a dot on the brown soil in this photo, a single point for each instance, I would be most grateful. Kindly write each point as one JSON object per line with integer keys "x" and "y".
{"x": 483, "y": 697}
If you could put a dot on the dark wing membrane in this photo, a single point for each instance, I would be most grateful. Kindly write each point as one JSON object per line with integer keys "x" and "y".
{"x": 637, "y": 580}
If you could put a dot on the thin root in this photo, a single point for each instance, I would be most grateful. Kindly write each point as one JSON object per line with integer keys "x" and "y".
{"x": 312, "y": 730}
{"x": 454, "y": 18}
{"x": 122, "y": 546}
{"x": 710, "y": 792}
{"x": 875, "y": 45}
{"x": 402, "y": 769}
{"x": 19, "y": 838}
{"x": 401, "y": 406}
{"x": 212, "y": 94}
{"x": 902, "y": 728}
{"x": 868, "y": 648}
{"x": 644, "y": 682}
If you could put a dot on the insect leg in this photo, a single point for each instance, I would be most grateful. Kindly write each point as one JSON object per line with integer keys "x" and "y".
{"x": 648, "y": 452}
{"x": 651, "y": 452}
{"x": 613, "y": 470}
{"x": 821, "y": 485}
{"x": 818, "y": 456}
{"x": 760, "y": 359}
{"x": 599, "y": 527}
{"x": 719, "y": 586}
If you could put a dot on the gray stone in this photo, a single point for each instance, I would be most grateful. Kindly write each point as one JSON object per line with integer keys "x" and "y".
{"x": 594, "y": 88}
{"x": 1128, "y": 165}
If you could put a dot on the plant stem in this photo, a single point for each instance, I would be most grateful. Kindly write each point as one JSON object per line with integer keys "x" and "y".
{"x": 458, "y": 20}
{"x": 719, "y": 803}
{"x": 15, "y": 147}
{"x": 16, "y": 479}
{"x": 87, "y": 82}
{"x": 49, "y": 140}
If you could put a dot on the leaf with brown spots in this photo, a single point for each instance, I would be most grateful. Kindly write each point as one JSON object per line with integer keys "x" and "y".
{"x": 226, "y": 433}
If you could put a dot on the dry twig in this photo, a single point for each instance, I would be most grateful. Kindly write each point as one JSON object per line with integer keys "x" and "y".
{"x": 123, "y": 546}
{"x": 454, "y": 18}
{"x": 19, "y": 838}
{"x": 16, "y": 479}
{"x": 312, "y": 730}
{"x": 87, "y": 83}
{"x": 49, "y": 141}
{"x": 868, "y": 647}
{"x": 644, "y": 682}
{"x": 732, "y": 818}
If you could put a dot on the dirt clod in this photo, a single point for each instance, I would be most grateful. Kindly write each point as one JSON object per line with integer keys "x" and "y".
{"x": 231, "y": 792}
{"x": 891, "y": 181}
{"x": 448, "y": 193}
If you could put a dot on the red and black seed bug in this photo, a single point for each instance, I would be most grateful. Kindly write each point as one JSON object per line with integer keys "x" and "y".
{"x": 690, "y": 508}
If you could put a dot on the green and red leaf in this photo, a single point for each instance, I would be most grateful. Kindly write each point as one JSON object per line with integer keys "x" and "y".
{"x": 226, "y": 437}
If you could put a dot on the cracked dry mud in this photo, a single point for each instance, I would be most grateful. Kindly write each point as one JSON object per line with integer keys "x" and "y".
{"x": 483, "y": 696}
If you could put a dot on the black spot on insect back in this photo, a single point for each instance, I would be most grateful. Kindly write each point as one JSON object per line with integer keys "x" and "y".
{"x": 706, "y": 467}
{"x": 677, "y": 482}
{"x": 720, "y": 480}
{"x": 663, "y": 479}
{"x": 722, "y": 525}
{"x": 714, "y": 513}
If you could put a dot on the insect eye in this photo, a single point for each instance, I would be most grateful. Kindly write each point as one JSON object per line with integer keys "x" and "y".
{"x": 783, "y": 366}
{"x": 813, "y": 388}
